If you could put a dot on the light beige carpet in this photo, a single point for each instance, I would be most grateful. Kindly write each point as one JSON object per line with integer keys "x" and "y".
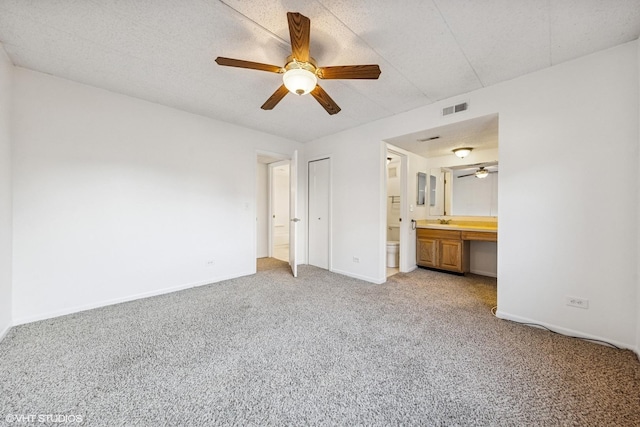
{"x": 322, "y": 349}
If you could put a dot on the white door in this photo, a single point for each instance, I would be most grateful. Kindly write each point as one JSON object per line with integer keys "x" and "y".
{"x": 319, "y": 199}
{"x": 293, "y": 207}
{"x": 279, "y": 190}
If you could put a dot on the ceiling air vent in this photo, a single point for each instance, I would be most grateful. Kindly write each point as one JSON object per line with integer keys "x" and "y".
{"x": 455, "y": 109}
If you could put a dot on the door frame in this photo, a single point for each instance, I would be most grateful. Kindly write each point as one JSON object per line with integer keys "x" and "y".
{"x": 271, "y": 167}
{"x": 329, "y": 222}
{"x": 405, "y": 223}
{"x": 277, "y": 157}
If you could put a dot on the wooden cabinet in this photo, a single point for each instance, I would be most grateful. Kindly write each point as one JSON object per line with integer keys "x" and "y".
{"x": 427, "y": 252}
{"x": 452, "y": 255}
{"x": 442, "y": 249}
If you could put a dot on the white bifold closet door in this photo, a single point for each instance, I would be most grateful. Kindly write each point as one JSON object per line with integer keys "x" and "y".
{"x": 319, "y": 213}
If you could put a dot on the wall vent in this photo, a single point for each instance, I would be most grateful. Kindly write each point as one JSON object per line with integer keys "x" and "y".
{"x": 428, "y": 139}
{"x": 458, "y": 108}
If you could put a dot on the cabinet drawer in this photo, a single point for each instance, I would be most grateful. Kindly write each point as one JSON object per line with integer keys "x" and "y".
{"x": 427, "y": 233}
{"x": 485, "y": 236}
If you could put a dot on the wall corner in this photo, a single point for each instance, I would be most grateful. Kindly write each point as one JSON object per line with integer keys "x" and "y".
{"x": 6, "y": 194}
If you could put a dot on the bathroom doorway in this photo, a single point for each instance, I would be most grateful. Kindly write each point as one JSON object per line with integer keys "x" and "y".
{"x": 279, "y": 173}
{"x": 396, "y": 190}
{"x": 272, "y": 198}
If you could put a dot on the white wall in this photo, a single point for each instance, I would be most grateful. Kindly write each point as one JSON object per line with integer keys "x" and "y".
{"x": 262, "y": 210}
{"x": 358, "y": 204}
{"x": 561, "y": 233}
{"x": 483, "y": 258}
{"x": 638, "y": 245}
{"x": 117, "y": 198}
{"x": 6, "y": 72}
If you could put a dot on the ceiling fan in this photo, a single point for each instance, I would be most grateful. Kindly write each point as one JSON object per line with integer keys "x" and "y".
{"x": 300, "y": 72}
{"x": 480, "y": 173}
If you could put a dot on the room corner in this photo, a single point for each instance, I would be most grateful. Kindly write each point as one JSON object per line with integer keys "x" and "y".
{"x": 6, "y": 72}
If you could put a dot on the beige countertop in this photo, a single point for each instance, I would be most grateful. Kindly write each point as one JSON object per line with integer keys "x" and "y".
{"x": 490, "y": 227}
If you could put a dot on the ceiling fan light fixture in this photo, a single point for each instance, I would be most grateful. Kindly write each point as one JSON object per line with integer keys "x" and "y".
{"x": 462, "y": 152}
{"x": 482, "y": 173}
{"x": 299, "y": 81}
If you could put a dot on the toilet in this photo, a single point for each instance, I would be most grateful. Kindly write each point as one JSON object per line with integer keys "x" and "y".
{"x": 393, "y": 245}
{"x": 393, "y": 253}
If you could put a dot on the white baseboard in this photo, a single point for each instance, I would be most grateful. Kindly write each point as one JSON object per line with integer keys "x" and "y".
{"x": 85, "y": 307}
{"x": 357, "y": 276}
{"x": 566, "y": 331}
{"x": 484, "y": 273}
{"x": 415, "y": 267}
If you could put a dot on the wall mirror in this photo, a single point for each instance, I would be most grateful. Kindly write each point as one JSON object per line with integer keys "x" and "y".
{"x": 422, "y": 188}
{"x": 467, "y": 190}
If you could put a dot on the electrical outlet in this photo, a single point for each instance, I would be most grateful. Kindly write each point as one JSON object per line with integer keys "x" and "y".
{"x": 356, "y": 260}
{"x": 210, "y": 263}
{"x": 578, "y": 302}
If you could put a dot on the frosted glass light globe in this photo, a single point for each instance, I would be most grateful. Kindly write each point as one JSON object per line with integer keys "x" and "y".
{"x": 299, "y": 81}
{"x": 482, "y": 173}
{"x": 462, "y": 152}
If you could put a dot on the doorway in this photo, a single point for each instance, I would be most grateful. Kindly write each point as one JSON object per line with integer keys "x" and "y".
{"x": 276, "y": 210}
{"x": 279, "y": 174}
{"x": 319, "y": 212}
{"x": 396, "y": 191}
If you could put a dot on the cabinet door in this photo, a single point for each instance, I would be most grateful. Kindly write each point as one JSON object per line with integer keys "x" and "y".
{"x": 451, "y": 255}
{"x": 427, "y": 252}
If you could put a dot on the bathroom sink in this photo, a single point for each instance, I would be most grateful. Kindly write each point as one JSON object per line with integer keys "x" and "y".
{"x": 467, "y": 227}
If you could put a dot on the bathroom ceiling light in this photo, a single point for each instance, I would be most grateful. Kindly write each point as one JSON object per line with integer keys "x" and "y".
{"x": 482, "y": 173}
{"x": 299, "y": 81}
{"x": 462, "y": 152}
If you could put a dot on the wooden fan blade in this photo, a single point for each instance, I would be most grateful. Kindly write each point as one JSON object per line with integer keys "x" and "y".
{"x": 349, "y": 72}
{"x": 230, "y": 62}
{"x": 275, "y": 98}
{"x": 299, "y": 30}
{"x": 325, "y": 100}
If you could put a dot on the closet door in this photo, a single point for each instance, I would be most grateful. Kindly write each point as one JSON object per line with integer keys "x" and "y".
{"x": 319, "y": 213}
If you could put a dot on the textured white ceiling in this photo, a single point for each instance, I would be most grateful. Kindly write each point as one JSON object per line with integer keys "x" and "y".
{"x": 163, "y": 50}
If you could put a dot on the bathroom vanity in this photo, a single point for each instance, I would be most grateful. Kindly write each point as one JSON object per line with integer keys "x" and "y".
{"x": 446, "y": 246}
